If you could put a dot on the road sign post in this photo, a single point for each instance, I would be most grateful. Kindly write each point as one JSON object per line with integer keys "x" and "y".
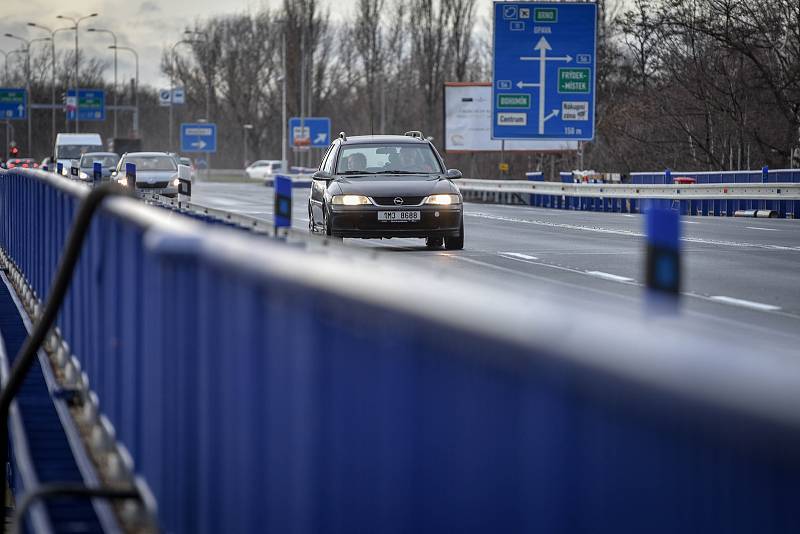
{"x": 91, "y": 105}
{"x": 283, "y": 203}
{"x": 544, "y": 71}
{"x": 199, "y": 137}
{"x": 309, "y": 132}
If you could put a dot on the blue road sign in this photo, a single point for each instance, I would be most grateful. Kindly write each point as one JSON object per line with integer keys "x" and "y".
{"x": 199, "y": 137}
{"x": 92, "y": 105}
{"x": 544, "y": 71}
{"x": 315, "y": 132}
{"x": 13, "y": 103}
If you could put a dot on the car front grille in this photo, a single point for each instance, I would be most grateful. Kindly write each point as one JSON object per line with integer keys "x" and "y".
{"x": 389, "y": 201}
{"x": 153, "y": 185}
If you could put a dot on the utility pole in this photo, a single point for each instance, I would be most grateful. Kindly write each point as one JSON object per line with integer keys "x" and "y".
{"x": 172, "y": 89}
{"x": 135, "y": 87}
{"x": 246, "y": 128}
{"x": 114, "y": 36}
{"x": 28, "y": 84}
{"x": 76, "y": 22}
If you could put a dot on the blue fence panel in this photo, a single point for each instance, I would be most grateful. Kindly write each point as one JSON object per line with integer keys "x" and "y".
{"x": 255, "y": 397}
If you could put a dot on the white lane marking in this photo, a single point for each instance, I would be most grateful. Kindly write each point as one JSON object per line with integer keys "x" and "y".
{"x": 628, "y": 233}
{"x": 760, "y": 228}
{"x": 609, "y": 276}
{"x": 518, "y": 255}
{"x": 690, "y": 222}
{"x": 745, "y": 303}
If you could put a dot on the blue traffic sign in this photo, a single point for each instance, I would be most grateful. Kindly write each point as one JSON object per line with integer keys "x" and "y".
{"x": 91, "y": 105}
{"x": 198, "y": 137}
{"x": 13, "y": 103}
{"x": 544, "y": 71}
{"x": 315, "y": 132}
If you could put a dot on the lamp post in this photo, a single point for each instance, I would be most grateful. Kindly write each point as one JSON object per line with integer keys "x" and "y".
{"x": 135, "y": 86}
{"x": 172, "y": 86}
{"x": 28, "y": 82}
{"x": 5, "y": 62}
{"x": 246, "y": 127}
{"x": 76, "y": 22}
{"x": 114, "y": 36}
{"x": 284, "y": 125}
{"x": 53, "y": 74}
{"x": 208, "y": 87}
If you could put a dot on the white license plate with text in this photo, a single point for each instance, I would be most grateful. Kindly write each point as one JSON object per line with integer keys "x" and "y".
{"x": 399, "y": 216}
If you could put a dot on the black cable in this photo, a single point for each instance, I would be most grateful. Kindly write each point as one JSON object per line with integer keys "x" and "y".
{"x": 61, "y": 282}
{"x": 65, "y": 490}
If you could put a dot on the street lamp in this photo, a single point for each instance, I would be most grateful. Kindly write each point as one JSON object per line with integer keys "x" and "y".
{"x": 5, "y": 62}
{"x": 53, "y": 74}
{"x": 208, "y": 85}
{"x": 172, "y": 85}
{"x": 284, "y": 160}
{"x": 28, "y": 82}
{"x": 135, "y": 86}
{"x": 247, "y": 127}
{"x": 76, "y": 22}
{"x": 114, "y": 36}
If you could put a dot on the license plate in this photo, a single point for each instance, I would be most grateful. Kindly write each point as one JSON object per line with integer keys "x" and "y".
{"x": 398, "y": 216}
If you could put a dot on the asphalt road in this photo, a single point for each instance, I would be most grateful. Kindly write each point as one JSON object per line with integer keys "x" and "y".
{"x": 739, "y": 275}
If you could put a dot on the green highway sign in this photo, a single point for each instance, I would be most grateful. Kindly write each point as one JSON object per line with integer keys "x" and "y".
{"x": 519, "y": 101}
{"x": 545, "y": 14}
{"x": 572, "y": 80}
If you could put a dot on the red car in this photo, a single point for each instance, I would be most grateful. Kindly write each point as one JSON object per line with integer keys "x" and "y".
{"x": 25, "y": 163}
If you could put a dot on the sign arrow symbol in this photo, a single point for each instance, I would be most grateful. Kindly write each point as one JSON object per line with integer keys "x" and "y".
{"x": 321, "y": 137}
{"x": 200, "y": 144}
{"x": 524, "y": 84}
{"x": 551, "y": 115}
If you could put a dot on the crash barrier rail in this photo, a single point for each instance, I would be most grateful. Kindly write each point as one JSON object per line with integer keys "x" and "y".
{"x": 690, "y": 199}
{"x": 764, "y": 175}
{"x": 262, "y": 388}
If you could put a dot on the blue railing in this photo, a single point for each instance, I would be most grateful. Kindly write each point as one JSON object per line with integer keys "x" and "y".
{"x": 720, "y": 177}
{"x": 260, "y": 388}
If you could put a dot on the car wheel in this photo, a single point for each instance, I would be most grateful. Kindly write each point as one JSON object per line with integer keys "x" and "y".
{"x": 457, "y": 242}
{"x": 310, "y": 220}
{"x": 433, "y": 242}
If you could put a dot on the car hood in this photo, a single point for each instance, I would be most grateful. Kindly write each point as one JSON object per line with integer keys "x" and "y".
{"x": 155, "y": 176}
{"x": 390, "y": 185}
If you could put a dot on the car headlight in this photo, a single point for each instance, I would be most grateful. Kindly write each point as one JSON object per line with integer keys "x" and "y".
{"x": 64, "y": 172}
{"x": 123, "y": 181}
{"x": 176, "y": 182}
{"x": 350, "y": 200}
{"x": 443, "y": 200}
{"x": 83, "y": 175}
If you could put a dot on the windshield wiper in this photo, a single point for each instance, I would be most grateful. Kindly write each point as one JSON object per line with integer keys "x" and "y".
{"x": 356, "y": 172}
{"x": 403, "y": 172}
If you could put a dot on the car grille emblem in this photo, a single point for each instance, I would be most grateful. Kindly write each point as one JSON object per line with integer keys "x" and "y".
{"x": 398, "y": 201}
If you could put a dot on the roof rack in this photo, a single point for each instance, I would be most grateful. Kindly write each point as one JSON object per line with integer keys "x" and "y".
{"x": 342, "y": 136}
{"x": 415, "y": 133}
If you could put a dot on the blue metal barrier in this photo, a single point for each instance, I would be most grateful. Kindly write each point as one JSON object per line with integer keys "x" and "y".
{"x": 256, "y": 394}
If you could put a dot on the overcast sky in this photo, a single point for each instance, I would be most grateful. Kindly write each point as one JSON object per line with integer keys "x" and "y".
{"x": 147, "y": 26}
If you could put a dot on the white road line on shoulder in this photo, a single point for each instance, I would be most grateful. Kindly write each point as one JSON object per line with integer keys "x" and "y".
{"x": 518, "y": 255}
{"x": 609, "y": 276}
{"x": 691, "y": 222}
{"x": 761, "y": 228}
{"x": 745, "y": 303}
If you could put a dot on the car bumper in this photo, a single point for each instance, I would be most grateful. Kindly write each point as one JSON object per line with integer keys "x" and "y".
{"x": 362, "y": 221}
{"x": 169, "y": 191}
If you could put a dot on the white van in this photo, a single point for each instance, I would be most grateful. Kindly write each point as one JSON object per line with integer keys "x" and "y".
{"x": 70, "y": 147}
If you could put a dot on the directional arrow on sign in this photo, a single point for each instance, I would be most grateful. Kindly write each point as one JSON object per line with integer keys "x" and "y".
{"x": 542, "y": 46}
{"x": 199, "y": 144}
{"x": 321, "y": 137}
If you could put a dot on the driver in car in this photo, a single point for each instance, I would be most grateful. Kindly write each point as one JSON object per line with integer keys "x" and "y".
{"x": 410, "y": 162}
{"x": 357, "y": 162}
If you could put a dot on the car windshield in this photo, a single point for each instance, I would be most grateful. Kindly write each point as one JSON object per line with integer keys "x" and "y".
{"x": 152, "y": 163}
{"x": 76, "y": 151}
{"x": 389, "y": 158}
{"x": 88, "y": 161}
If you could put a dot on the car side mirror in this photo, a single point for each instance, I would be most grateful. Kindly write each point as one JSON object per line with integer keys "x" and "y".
{"x": 453, "y": 174}
{"x": 184, "y": 173}
{"x": 322, "y": 175}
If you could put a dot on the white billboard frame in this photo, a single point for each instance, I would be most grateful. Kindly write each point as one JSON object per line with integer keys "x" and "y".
{"x": 467, "y": 118}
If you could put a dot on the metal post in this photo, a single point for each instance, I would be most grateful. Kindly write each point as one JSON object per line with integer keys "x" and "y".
{"x": 113, "y": 36}
{"x": 246, "y": 128}
{"x": 302, "y": 83}
{"x": 5, "y": 69}
{"x": 135, "y": 87}
{"x": 76, "y": 22}
{"x": 284, "y": 125}
{"x": 172, "y": 89}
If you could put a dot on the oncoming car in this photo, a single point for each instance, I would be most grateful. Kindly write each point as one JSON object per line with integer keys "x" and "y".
{"x": 156, "y": 172}
{"x": 387, "y": 186}
{"x": 107, "y": 160}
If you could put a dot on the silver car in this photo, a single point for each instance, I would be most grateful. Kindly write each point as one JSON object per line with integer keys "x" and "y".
{"x": 156, "y": 172}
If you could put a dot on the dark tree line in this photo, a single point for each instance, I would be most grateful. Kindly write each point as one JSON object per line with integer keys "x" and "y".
{"x": 685, "y": 84}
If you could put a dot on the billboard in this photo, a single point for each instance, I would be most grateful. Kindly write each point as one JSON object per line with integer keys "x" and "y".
{"x": 468, "y": 123}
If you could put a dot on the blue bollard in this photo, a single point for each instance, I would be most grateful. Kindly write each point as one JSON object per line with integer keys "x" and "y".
{"x": 97, "y": 172}
{"x": 663, "y": 261}
{"x": 130, "y": 175}
{"x": 283, "y": 202}
{"x": 764, "y": 174}
{"x": 60, "y": 168}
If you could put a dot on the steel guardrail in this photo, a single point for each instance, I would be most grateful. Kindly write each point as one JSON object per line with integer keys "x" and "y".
{"x": 725, "y": 191}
